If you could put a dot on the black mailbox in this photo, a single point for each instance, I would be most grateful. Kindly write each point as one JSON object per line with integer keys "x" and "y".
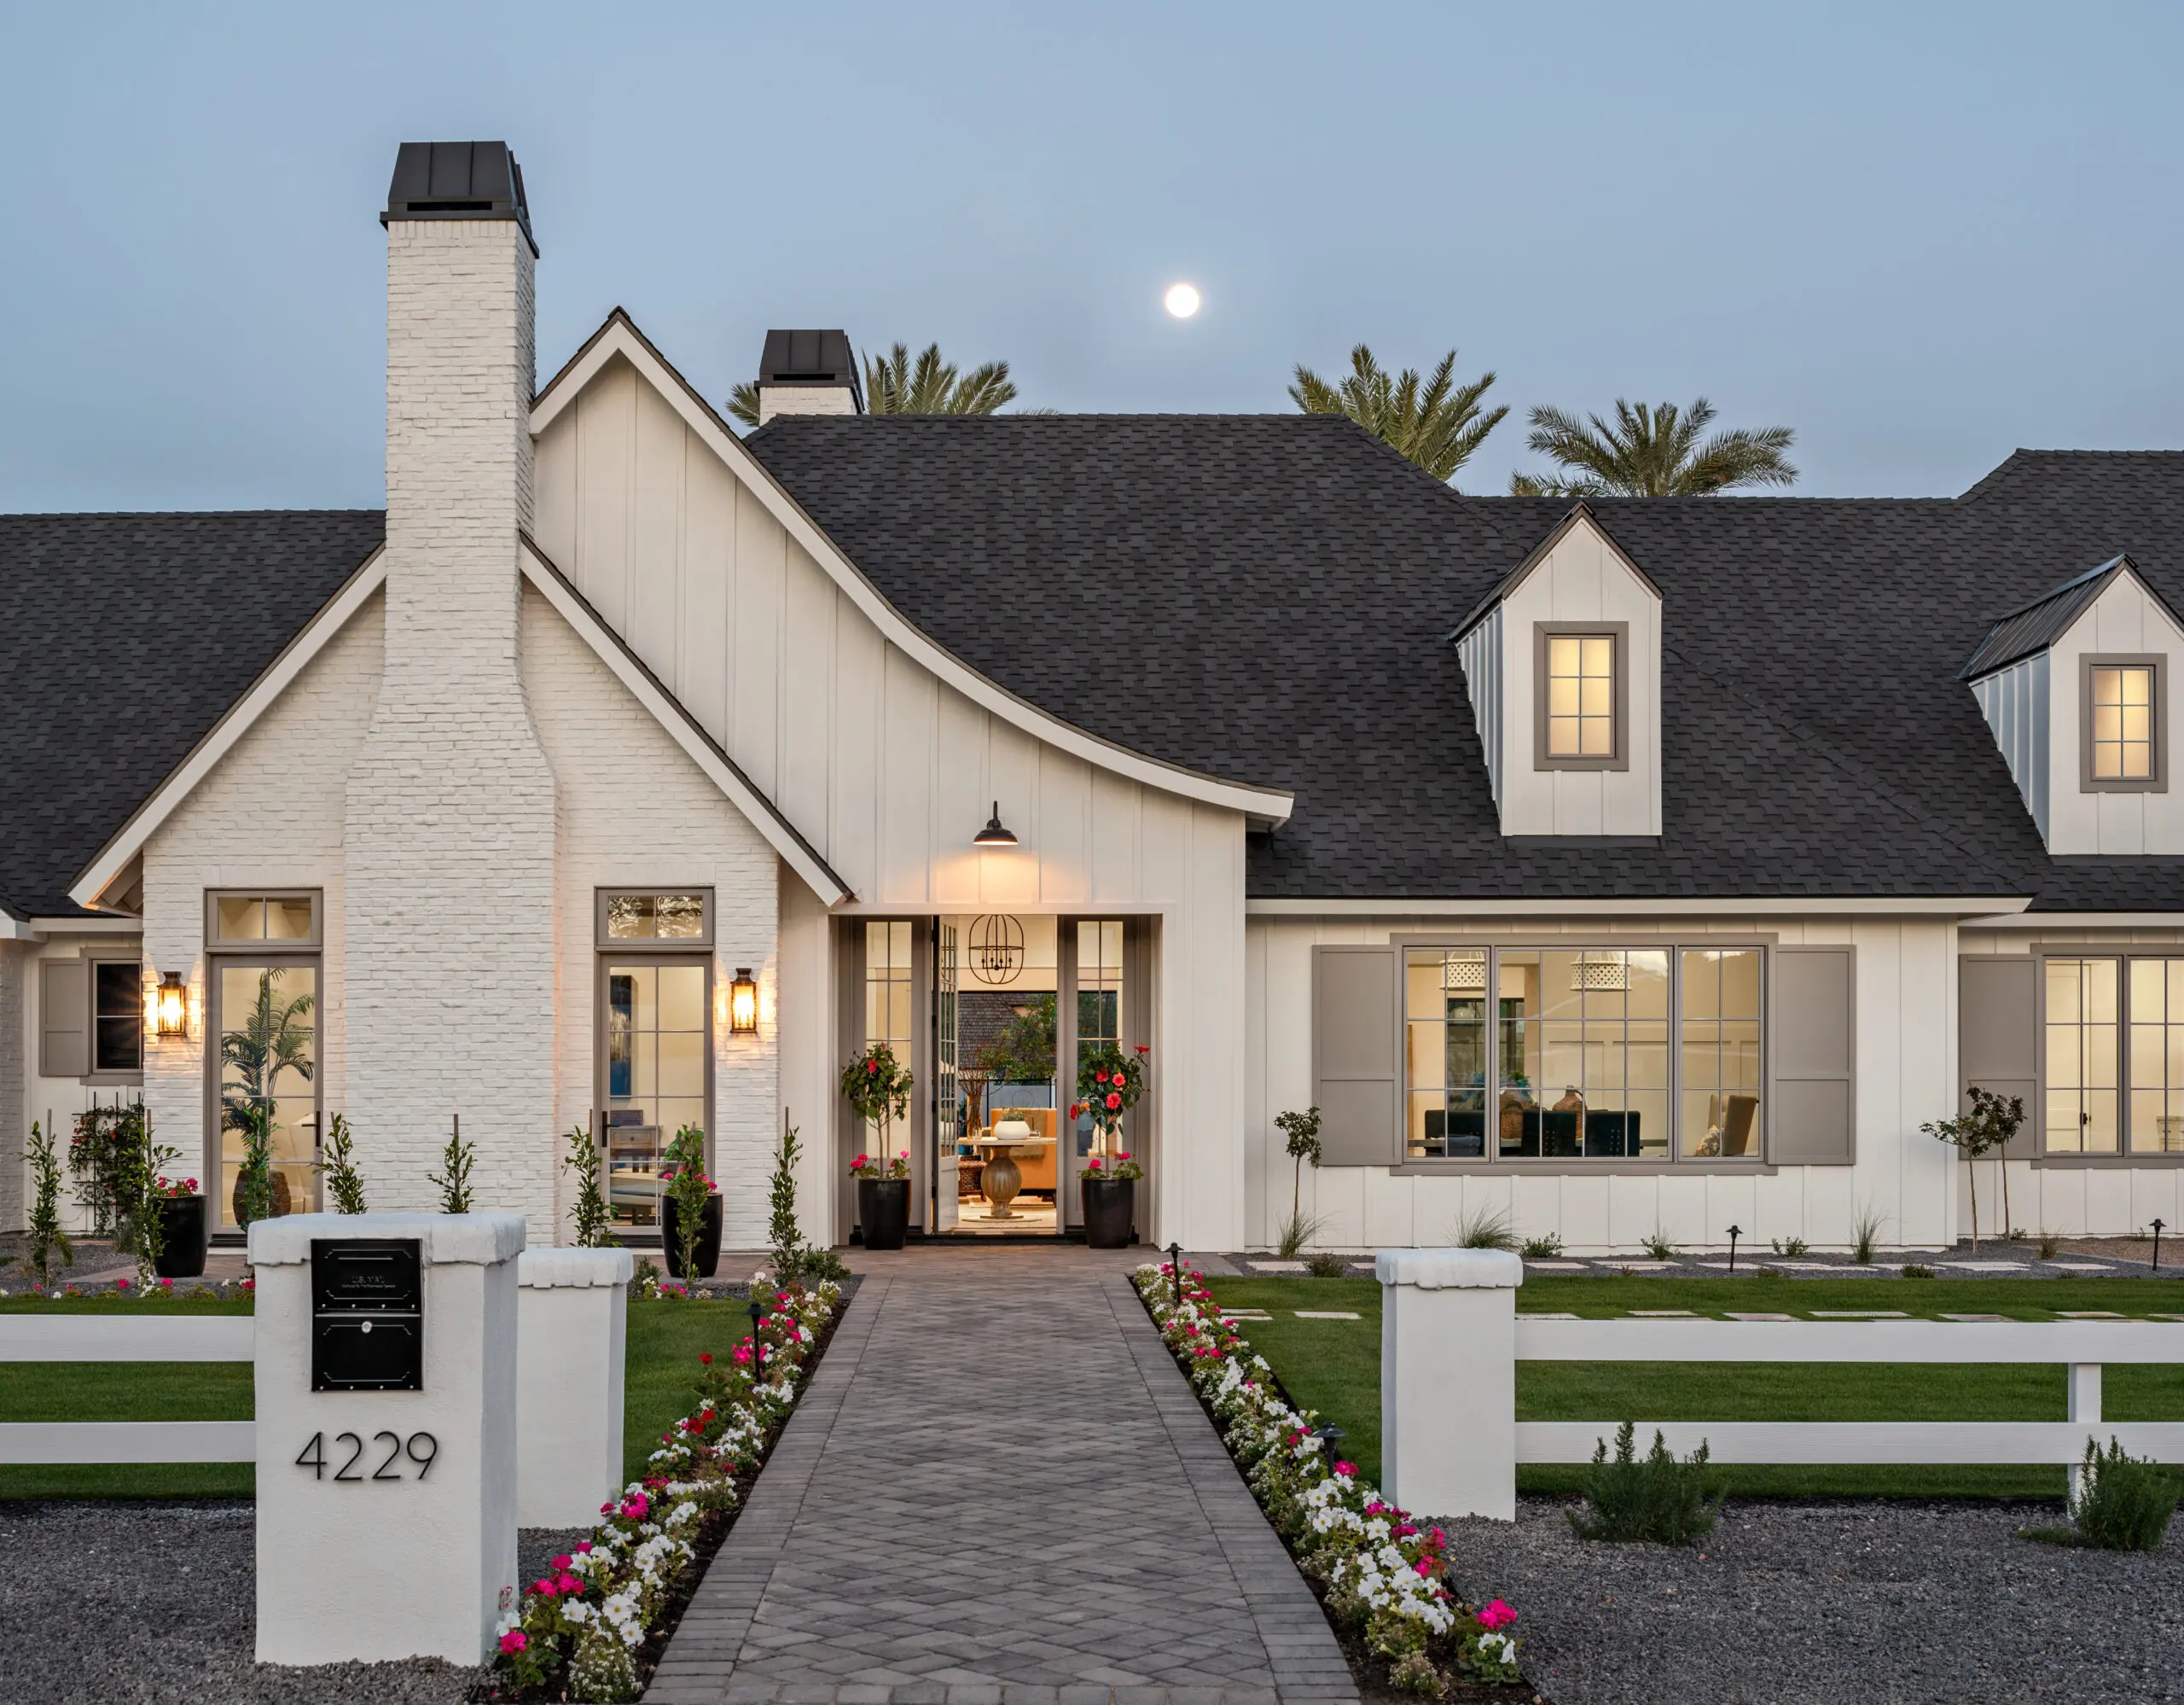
{"x": 368, "y": 1315}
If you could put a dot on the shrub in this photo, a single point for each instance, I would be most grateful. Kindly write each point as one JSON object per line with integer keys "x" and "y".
{"x": 1295, "y": 1233}
{"x": 46, "y": 1237}
{"x": 682, "y": 1171}
{"x": 2051, "y": 1245}
{"x": 339, "y": 1167}
{"x": 1772, "y": 1272}
{"x": 1660, "y": 1246}
{"x": 595, "y": 1216}
{"x": 1791, "y": 1247}
{"x": 1917, "y": 1270}
{"x": 454, "y": 1176}
{"x": 1660, "y": 1500}
{"x": 1542, "y": 1248}
{"x": 1486, "y": 1229}
{"x": 2123, "y": 1502}
{"x": 1326, "y": 1265}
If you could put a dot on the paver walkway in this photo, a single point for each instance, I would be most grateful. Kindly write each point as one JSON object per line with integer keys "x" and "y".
{"x": 999, "y": 1491}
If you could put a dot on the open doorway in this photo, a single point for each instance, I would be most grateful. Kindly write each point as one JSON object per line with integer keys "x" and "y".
{"x": 1010, "y": 1144}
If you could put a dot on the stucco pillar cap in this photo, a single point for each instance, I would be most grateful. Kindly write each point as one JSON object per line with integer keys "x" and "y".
{"x": 467, "y": 1239}
{"x": 573, "y": 1268}
{"x": 1450, "y": 1269}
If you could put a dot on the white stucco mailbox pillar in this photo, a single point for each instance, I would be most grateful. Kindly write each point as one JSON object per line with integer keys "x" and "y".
{"x": 1448, "y": 1380}
{"x": 387, "y": 1433}
{"x": 572, "y": 1315}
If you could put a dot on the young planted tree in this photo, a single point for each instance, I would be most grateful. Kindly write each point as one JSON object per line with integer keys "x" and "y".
{"x": 1972, "y": 1136}
{"x": 682, "y": 1171}
{"x": 594, "y": 1214}
{"x": 1302, "y": 1133}
{"x": 2000, "y": 1117}
{"x": 45, "y": 1233}
{"x": 1432, "y": 422}
{"x": 1651, "y": 451}
{"x": 339, "y": 1166}
{"x": 781, "y": 1230}
{"x": 877, "y": 1086}
{"x": 454, "y": 1176}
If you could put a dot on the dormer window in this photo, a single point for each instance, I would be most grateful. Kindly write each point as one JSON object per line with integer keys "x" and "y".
{"x": 2123, "y": 723}
{"x": 1583, "y": 701}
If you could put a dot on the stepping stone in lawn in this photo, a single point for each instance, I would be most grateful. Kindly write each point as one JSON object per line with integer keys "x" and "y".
{"x": 1554, "y": 1266}
{"x": 2165, "y": 1316}
{"x": 1985, "y": 1267}
{"x": 1275, "y": 1267}
{"x": 1528, "y": 1315}
{"x": 1762, "y": 1316}
{"x": 2081, "y": 1266}
{"x": 1859, "y": 1314}
{"x": 1975, "y": 1317}
{"x": 1662, "y": 1313}
{"x": 1324, "y": 1314}
{"x": 1245, "y": 1314}
{"x": 2087, "y": 1314}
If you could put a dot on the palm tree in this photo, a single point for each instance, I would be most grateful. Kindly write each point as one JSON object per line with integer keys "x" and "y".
{"x": 1435, "y": 422}
{"x": 1651, "y": 452}
{"x": 893, "y": 385}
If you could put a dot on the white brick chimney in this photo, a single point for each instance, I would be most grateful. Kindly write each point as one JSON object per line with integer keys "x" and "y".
{"x": 449, "y": 836}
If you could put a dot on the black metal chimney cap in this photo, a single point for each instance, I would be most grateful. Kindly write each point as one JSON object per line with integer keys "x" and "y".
{"x": 465, "y": 180}
{"x": 811, "y": 357}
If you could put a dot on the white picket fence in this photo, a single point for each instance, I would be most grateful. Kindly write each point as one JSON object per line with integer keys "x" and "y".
{"x": 146, "y": 1337}
{"x": 2085, "y": 1346}
{"x": 1451, "y": 1338}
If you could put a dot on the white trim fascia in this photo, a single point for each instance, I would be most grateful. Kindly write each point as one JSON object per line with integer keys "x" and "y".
{"x": 220, "y": 740}
{"x": 538, "y": 570}
{"x": 1264, "y": 807}
{"x": 46, "y": 926}
{"x": 13, "y": 928}
{"x": 1731, "y": 905}
{"x": 2072, "y": 920}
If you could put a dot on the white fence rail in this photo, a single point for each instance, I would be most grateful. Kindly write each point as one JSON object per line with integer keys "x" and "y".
{"x": 1451, "y": 1339}
{"x": 147, "y": 1337}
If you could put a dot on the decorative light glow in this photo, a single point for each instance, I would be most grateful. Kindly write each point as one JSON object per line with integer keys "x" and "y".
{"x": 172, "y": 1017}
{"x": 743, "y": 1003}
{"x": 1182, "y": 300}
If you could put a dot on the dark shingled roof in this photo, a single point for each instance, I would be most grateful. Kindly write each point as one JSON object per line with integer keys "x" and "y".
{"x": 1267, "y": 598}
{"x": 127, "y": 637}
{"x": 2025, "y": 632}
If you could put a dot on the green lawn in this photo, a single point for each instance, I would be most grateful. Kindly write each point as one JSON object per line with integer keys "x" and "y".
{"x": 1334, "y": 1366}
{"x": 665, "y": 1342}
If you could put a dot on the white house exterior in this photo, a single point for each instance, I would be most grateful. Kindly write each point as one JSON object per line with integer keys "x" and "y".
{"x": 1633, "y": 867}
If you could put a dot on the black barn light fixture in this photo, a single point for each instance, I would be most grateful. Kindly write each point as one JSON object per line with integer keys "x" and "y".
{"x": 994, "y": 834}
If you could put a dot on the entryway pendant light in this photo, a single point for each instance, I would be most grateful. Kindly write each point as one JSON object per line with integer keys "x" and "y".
{"x": 743, "y": 1003}
{"x": 994, "y": 835}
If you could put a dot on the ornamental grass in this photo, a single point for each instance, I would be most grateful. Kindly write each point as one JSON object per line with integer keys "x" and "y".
{"x": 1383, "y": 1578}
{"x": 577, "y": 1632}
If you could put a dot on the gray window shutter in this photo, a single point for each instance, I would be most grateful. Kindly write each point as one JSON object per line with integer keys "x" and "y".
{"x": 1998, "y": 1037}
{"x": 1815, "y": 1113}
{"x": 1354, "y": 1055}
{"x": 64, "y": 1018}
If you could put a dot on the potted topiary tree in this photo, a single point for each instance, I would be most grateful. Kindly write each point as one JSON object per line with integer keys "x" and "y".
{"x": 878, "y": 1088}
{"x": 1108, "y": 1085}
{"x": 690, "y": 1208}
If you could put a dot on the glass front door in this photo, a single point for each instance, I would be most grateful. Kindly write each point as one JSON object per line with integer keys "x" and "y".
{"x": 266, "y": 1018}
{"x": 655, "y": 1044}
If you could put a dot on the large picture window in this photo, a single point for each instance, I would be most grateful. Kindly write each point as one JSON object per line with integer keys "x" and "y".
{"x": 2112, "y": 1055}
{"x": 1632, "y": 1053}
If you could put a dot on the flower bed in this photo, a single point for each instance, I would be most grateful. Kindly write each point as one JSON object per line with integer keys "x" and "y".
{"x": 593, "y": 1626}
{"x": 1383, "y": 1578}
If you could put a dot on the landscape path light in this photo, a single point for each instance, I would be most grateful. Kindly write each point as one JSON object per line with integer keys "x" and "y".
{"x": 1176, "y": 1270}
{"x": 2157, "y": 1246}
{"x": 1735, "y": 1232}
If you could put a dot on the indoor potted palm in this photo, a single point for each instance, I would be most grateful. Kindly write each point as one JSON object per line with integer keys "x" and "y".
{"x": 690, "y": 1208}
{"x": 1109, "y": 1083}
{"x": 877, "y": 1086}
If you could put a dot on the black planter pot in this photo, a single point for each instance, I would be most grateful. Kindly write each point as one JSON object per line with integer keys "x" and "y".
{"x": 181, "y": 1237}
{"x": 1110, "y": 1206}
{"x": 671, "y": 1235}
{"x": 883, "y": 1209}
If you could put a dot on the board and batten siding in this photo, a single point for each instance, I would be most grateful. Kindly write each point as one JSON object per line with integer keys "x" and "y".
{"x": 1480, "y": 651}
{"x": 889, "y": 771}
{"x": 2014, "y": 701}
{"x": 1905, "y": 984}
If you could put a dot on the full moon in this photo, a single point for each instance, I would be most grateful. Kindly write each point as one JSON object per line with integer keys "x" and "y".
{"x": 1182, "y": 300}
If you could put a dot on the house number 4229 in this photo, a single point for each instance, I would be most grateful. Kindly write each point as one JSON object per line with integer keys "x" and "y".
{"x": 419, "y": 1447}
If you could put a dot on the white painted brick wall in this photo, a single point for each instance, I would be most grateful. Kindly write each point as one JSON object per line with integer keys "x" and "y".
{"x": 269, "y": 814}
{"x": 15, "y": 1116}
{"x": 450, "y": 827}
{"x": 634, "y": 812}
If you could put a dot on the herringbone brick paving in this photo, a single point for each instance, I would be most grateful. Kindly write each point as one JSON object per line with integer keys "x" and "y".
{"x": 999, "y": 1491}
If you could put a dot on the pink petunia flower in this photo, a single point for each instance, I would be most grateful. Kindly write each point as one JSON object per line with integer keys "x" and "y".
{"x": 1496, "y": 1615}
{"x": 515, "y": 1640}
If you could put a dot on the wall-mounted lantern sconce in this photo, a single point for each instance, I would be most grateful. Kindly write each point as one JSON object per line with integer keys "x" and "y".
{"x": 170, "y": 1008}
{"x": 743, "y": 1003}
{"x": 994, "y": 834}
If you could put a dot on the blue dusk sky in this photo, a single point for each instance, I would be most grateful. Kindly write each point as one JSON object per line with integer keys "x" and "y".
{"x": 1919, "y": 234}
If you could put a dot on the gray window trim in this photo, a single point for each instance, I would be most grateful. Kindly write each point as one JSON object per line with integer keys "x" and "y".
{"x": 2158, "y": 782}
{"x": 1495, "y": 945}
{"x": 703, "y": 941}
{"x": 1619, "y": 631}
{"x": 2124, "y": 954}
{"x": 300, "y": 944}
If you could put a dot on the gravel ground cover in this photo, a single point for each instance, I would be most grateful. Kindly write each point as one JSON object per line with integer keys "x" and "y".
{"x": 152, "y": 1603}
{"x": 1879, "y": 1604}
